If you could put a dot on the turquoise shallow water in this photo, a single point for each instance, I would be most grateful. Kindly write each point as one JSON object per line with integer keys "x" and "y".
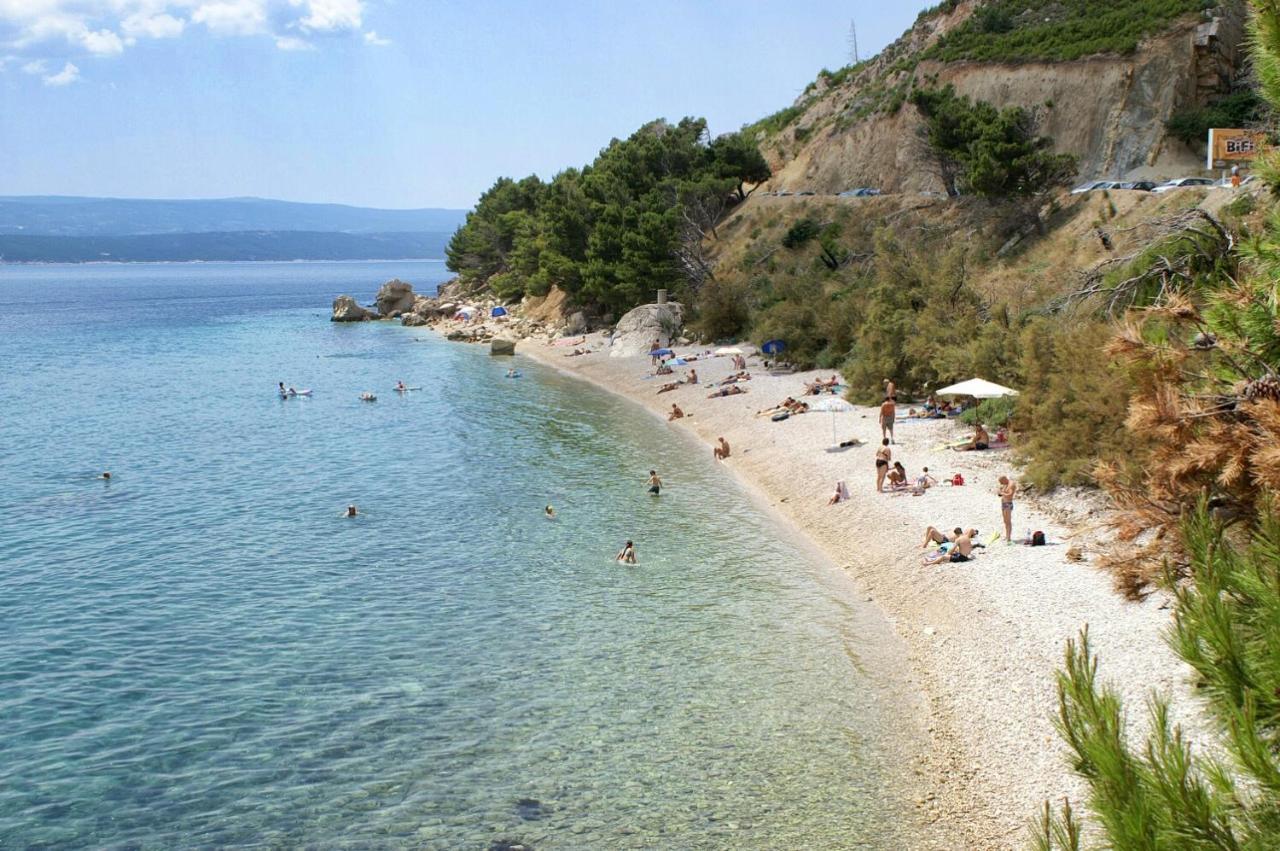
{"x": 202, "y": 653}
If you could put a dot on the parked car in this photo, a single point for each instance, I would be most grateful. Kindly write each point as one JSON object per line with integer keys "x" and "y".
{"x": 860, "y": 192}
{"x": 1181, "y": 182}
{"x": 782, "y": 193}
{"x": 1091, "y": 185}
{"x": 807, "y": 192}
{"x": 1138, "y": 185}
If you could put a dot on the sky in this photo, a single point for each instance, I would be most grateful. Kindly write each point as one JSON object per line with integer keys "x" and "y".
{"x": 385, "y": 103}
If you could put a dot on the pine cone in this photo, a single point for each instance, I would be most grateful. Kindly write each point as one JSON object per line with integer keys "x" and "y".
{"x": 1263, "y": 388}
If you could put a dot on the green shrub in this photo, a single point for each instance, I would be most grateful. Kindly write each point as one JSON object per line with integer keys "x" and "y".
{"x": 1239, "y": 109}
{"x": 801, "y": 232}
{"x": 991, "y": 412}
{"x": 1022, "y": 30}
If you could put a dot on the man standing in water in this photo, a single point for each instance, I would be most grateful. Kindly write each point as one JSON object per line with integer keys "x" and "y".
{"x": 655, "y": 483}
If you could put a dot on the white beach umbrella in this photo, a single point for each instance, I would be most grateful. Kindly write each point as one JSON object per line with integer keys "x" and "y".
{"x": 978, "y": 388}
{"x": 835, "y": 405}
{"x": 728, "y": 350}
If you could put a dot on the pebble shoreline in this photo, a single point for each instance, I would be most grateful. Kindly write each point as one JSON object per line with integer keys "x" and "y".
{"x": 982, "y": 640}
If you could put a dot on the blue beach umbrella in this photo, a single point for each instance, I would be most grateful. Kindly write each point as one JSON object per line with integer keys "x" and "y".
{"x": 660, "y": 353}
{"x": 498, "y": 311}
{"x": 772, "y": 347}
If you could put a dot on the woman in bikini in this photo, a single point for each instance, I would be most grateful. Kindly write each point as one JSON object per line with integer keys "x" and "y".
{"x": 883, "y": 456}
{"x": 1007, "y": 489}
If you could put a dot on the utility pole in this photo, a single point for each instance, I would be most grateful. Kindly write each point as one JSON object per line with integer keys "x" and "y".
{"x": 853, "y": 40}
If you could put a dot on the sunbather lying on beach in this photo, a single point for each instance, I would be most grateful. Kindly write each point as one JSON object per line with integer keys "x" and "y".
{"x": 735, "y": 378}
{"x": 576, "y": 352}
{"x": 669, "y": 386}
{"x": 732, "y": 390}
{"x": 933, "y": 535}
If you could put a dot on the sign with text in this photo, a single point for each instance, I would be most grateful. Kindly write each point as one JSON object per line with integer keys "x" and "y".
{"x": 1235, "y": 146}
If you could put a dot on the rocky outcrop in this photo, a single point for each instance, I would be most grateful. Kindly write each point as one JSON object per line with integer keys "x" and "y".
{"x": 394, "y": 298}
{"x": 347, "y": 309}
{"x": 1109, "y": 110}
{"x": 502, "y": 346}
{"x": 638, "y": 328}
{"x": 413, "y": 320}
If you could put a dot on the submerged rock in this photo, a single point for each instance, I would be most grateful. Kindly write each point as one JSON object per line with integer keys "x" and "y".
{"x": 347, "y": 309}
{"x": 501, "y": 346}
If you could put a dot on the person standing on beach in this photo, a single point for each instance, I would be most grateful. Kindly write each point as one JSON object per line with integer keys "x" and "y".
{"x": 655, "y": 483}
{"x": 721, "y": 450}
{"x": 890, "y": 390}
{"x": 883, "y": 456}
{"x": 888, "y": 411}
{"x": 1007, "y": 489}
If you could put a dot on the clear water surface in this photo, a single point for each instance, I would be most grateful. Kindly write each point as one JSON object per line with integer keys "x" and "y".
{"x": 202, "y": 652}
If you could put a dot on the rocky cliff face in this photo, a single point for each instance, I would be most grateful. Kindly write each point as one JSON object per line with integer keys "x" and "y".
{"x": 1108, "y": 110}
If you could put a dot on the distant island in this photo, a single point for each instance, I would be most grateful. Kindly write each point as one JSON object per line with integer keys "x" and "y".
{"x": 62, "y": 229}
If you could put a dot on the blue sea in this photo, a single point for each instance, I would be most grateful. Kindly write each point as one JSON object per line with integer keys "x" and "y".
{"x": 201, "y": 652}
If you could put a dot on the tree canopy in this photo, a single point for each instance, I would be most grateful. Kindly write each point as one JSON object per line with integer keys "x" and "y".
{"x": 982, "y": 150}
{"x": 616, "y": 230}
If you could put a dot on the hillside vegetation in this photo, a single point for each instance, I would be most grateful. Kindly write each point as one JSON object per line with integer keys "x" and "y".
{"x": 1020, "y": 30}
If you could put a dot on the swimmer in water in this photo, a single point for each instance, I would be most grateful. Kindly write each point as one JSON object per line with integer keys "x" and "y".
{"x": 627, "y": 555}
{"x": 106, "y": 476}
{"x": 655, "y": 483}
{"x": 400, "y": 387}
{"x": 351, "y": 511}
{"x": 549, "y": 513}
{"x": 283, "y": 393}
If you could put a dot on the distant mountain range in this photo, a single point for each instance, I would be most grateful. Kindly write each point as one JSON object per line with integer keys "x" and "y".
{"x": 75, "y": 230}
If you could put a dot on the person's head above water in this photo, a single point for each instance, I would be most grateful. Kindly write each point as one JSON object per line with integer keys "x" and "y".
{"x": 105, "y": 475}
{"x": 351, "y": 510}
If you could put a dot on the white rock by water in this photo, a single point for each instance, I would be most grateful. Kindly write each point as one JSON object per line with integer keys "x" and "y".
{"x": 639, "y": 327}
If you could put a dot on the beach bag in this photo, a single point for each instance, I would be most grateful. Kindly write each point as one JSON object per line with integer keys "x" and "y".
{"x": 1037, "y": 539}
{"x": 957, "y": 480}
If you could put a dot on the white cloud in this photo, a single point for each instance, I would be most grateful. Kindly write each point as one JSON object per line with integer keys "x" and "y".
{"x": 330, "y": 15}
{"x": 288, "y": 42}
{"x": 232, "y": 17}
{"x": 144, "y": 25}
{"x": 100, "y": 42}
{"x": 68, "y": 75}
{"x": 59, "y": 30}
{"x": 36, "y": 66}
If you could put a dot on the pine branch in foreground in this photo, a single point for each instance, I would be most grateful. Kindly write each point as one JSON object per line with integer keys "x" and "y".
{"x": 1162, "y": 795}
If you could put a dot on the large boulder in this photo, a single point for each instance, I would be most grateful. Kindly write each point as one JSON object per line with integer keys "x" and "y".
{"x": 501, "y": 346}
{"x": 638, "y": 328}
{"x": 347, "y": 309}
{"x": 394, "y": 297}
{"x": 413, "y": 320}
{"x": 576, "y": 325}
